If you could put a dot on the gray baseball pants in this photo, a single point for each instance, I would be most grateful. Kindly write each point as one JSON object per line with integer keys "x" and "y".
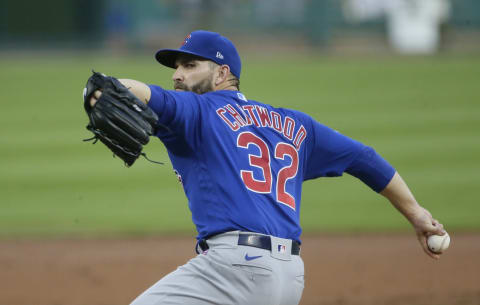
{"x": 228, "y": 274}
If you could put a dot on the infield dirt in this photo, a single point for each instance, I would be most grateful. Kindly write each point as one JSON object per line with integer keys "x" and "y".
{"x": 340, "y": 269}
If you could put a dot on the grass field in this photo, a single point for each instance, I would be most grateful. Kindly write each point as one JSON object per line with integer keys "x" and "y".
{"x": 421, "y": 114}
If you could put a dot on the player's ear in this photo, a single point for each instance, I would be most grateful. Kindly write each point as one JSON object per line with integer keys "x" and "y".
{"x": 222, "y": 74}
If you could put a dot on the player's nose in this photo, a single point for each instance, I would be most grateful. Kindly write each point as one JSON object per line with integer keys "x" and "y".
{"x": 177, "y": 75}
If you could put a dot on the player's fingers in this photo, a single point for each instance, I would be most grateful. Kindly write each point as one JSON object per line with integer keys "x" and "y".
{"x": 422, "y": 238}
{"x": 438, "y": 227}
{"x": 93, "y": 100}
{"x": 95, "y": 96}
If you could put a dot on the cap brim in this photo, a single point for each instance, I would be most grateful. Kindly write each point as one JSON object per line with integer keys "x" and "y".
{"x": 167, "y": 57}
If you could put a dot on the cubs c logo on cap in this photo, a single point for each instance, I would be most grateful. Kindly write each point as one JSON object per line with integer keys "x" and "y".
{"x": 185, "y": 40}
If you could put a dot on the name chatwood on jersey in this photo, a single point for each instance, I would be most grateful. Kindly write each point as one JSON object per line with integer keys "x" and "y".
{"x": 261, "y": 117}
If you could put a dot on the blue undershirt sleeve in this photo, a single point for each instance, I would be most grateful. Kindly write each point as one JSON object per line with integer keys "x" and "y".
{"x": 163, "y": 104}
{"x": 331, "y": 154}
{"x": 372, "y": 169}
{"x": 178, "y": 113}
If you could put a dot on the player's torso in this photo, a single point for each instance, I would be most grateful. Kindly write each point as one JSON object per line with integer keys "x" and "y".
{"x": 246, "y": 171}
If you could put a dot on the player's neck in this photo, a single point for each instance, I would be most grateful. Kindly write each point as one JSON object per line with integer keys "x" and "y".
{"x": 225, "y": 86}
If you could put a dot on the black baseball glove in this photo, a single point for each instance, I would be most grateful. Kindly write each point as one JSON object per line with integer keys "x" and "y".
{"x": 118, "y": 119}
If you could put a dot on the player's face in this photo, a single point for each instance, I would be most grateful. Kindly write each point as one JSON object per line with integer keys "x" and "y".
{"x": 194, "y": 75}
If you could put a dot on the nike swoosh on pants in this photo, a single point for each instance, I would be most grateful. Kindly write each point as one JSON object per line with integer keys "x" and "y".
{"x": 249, "y": 258}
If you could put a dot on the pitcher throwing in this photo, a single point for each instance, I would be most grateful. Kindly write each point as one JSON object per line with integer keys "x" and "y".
{"x": 242, "y": 164}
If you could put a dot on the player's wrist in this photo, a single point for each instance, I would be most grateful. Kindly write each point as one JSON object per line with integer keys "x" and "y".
{"x": 139, "y": 89}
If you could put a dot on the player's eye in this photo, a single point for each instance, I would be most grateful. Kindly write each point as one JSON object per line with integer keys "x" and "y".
{"x": 189, "y": 65}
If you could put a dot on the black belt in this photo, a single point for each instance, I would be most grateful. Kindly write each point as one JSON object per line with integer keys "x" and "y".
{"x": 254, "y": 240}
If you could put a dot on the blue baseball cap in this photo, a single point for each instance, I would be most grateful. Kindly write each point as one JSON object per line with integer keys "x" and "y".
{"x": 205, "y": 44}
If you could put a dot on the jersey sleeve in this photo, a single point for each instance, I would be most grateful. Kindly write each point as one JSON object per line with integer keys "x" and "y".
{"x": 178, "y": 112}
{"x": 331, "y": 153}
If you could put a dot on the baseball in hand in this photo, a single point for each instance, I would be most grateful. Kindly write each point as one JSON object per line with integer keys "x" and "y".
{"x": 438, "y": 243}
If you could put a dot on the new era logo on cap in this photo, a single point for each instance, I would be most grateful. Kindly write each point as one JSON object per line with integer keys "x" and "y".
{"x": 219, "y": 55}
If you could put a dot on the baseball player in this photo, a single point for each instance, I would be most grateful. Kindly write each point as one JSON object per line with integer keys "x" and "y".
{"x": 242, "y": 164}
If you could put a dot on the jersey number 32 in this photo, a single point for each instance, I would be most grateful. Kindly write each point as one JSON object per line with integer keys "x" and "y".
{"x": 262, "y": 161}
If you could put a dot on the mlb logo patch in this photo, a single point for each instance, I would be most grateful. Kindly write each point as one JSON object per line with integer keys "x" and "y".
{"x": 242, "y": 97}
{"x": 281, "y": 248}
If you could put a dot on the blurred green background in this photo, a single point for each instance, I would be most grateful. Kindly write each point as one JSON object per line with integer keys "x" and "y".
{"x": 422, "y": 113}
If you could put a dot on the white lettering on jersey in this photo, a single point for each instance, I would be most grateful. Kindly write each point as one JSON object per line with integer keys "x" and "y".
{"x": 234, "y": 126}
{"x": 234, "y": 113}
{"x": 276, "y": 121}
{"x": 246, "y": 115}
{"x": 264, "y": 116}
{"x": 288, "y": 127}
{"x": 301, "y": 135}
{"x": 249, "y": 108}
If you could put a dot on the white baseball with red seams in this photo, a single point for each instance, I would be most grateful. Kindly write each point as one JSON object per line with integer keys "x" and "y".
{"x": 438, "y": 243}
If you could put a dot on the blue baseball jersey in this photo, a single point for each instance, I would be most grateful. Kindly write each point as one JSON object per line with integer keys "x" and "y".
{"x": 242, "y": 163}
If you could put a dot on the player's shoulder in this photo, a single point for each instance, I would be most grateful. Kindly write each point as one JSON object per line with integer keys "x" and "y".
{"x": 223, "y": 97}
{"x": 290, "y": 112}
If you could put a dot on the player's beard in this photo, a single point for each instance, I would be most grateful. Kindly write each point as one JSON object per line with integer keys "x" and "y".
{"x": 203, "y": 86}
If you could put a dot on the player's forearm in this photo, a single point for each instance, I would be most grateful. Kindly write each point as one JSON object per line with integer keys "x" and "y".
{"x": 141, "y": 90}
{"x": 402, "y": 198}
